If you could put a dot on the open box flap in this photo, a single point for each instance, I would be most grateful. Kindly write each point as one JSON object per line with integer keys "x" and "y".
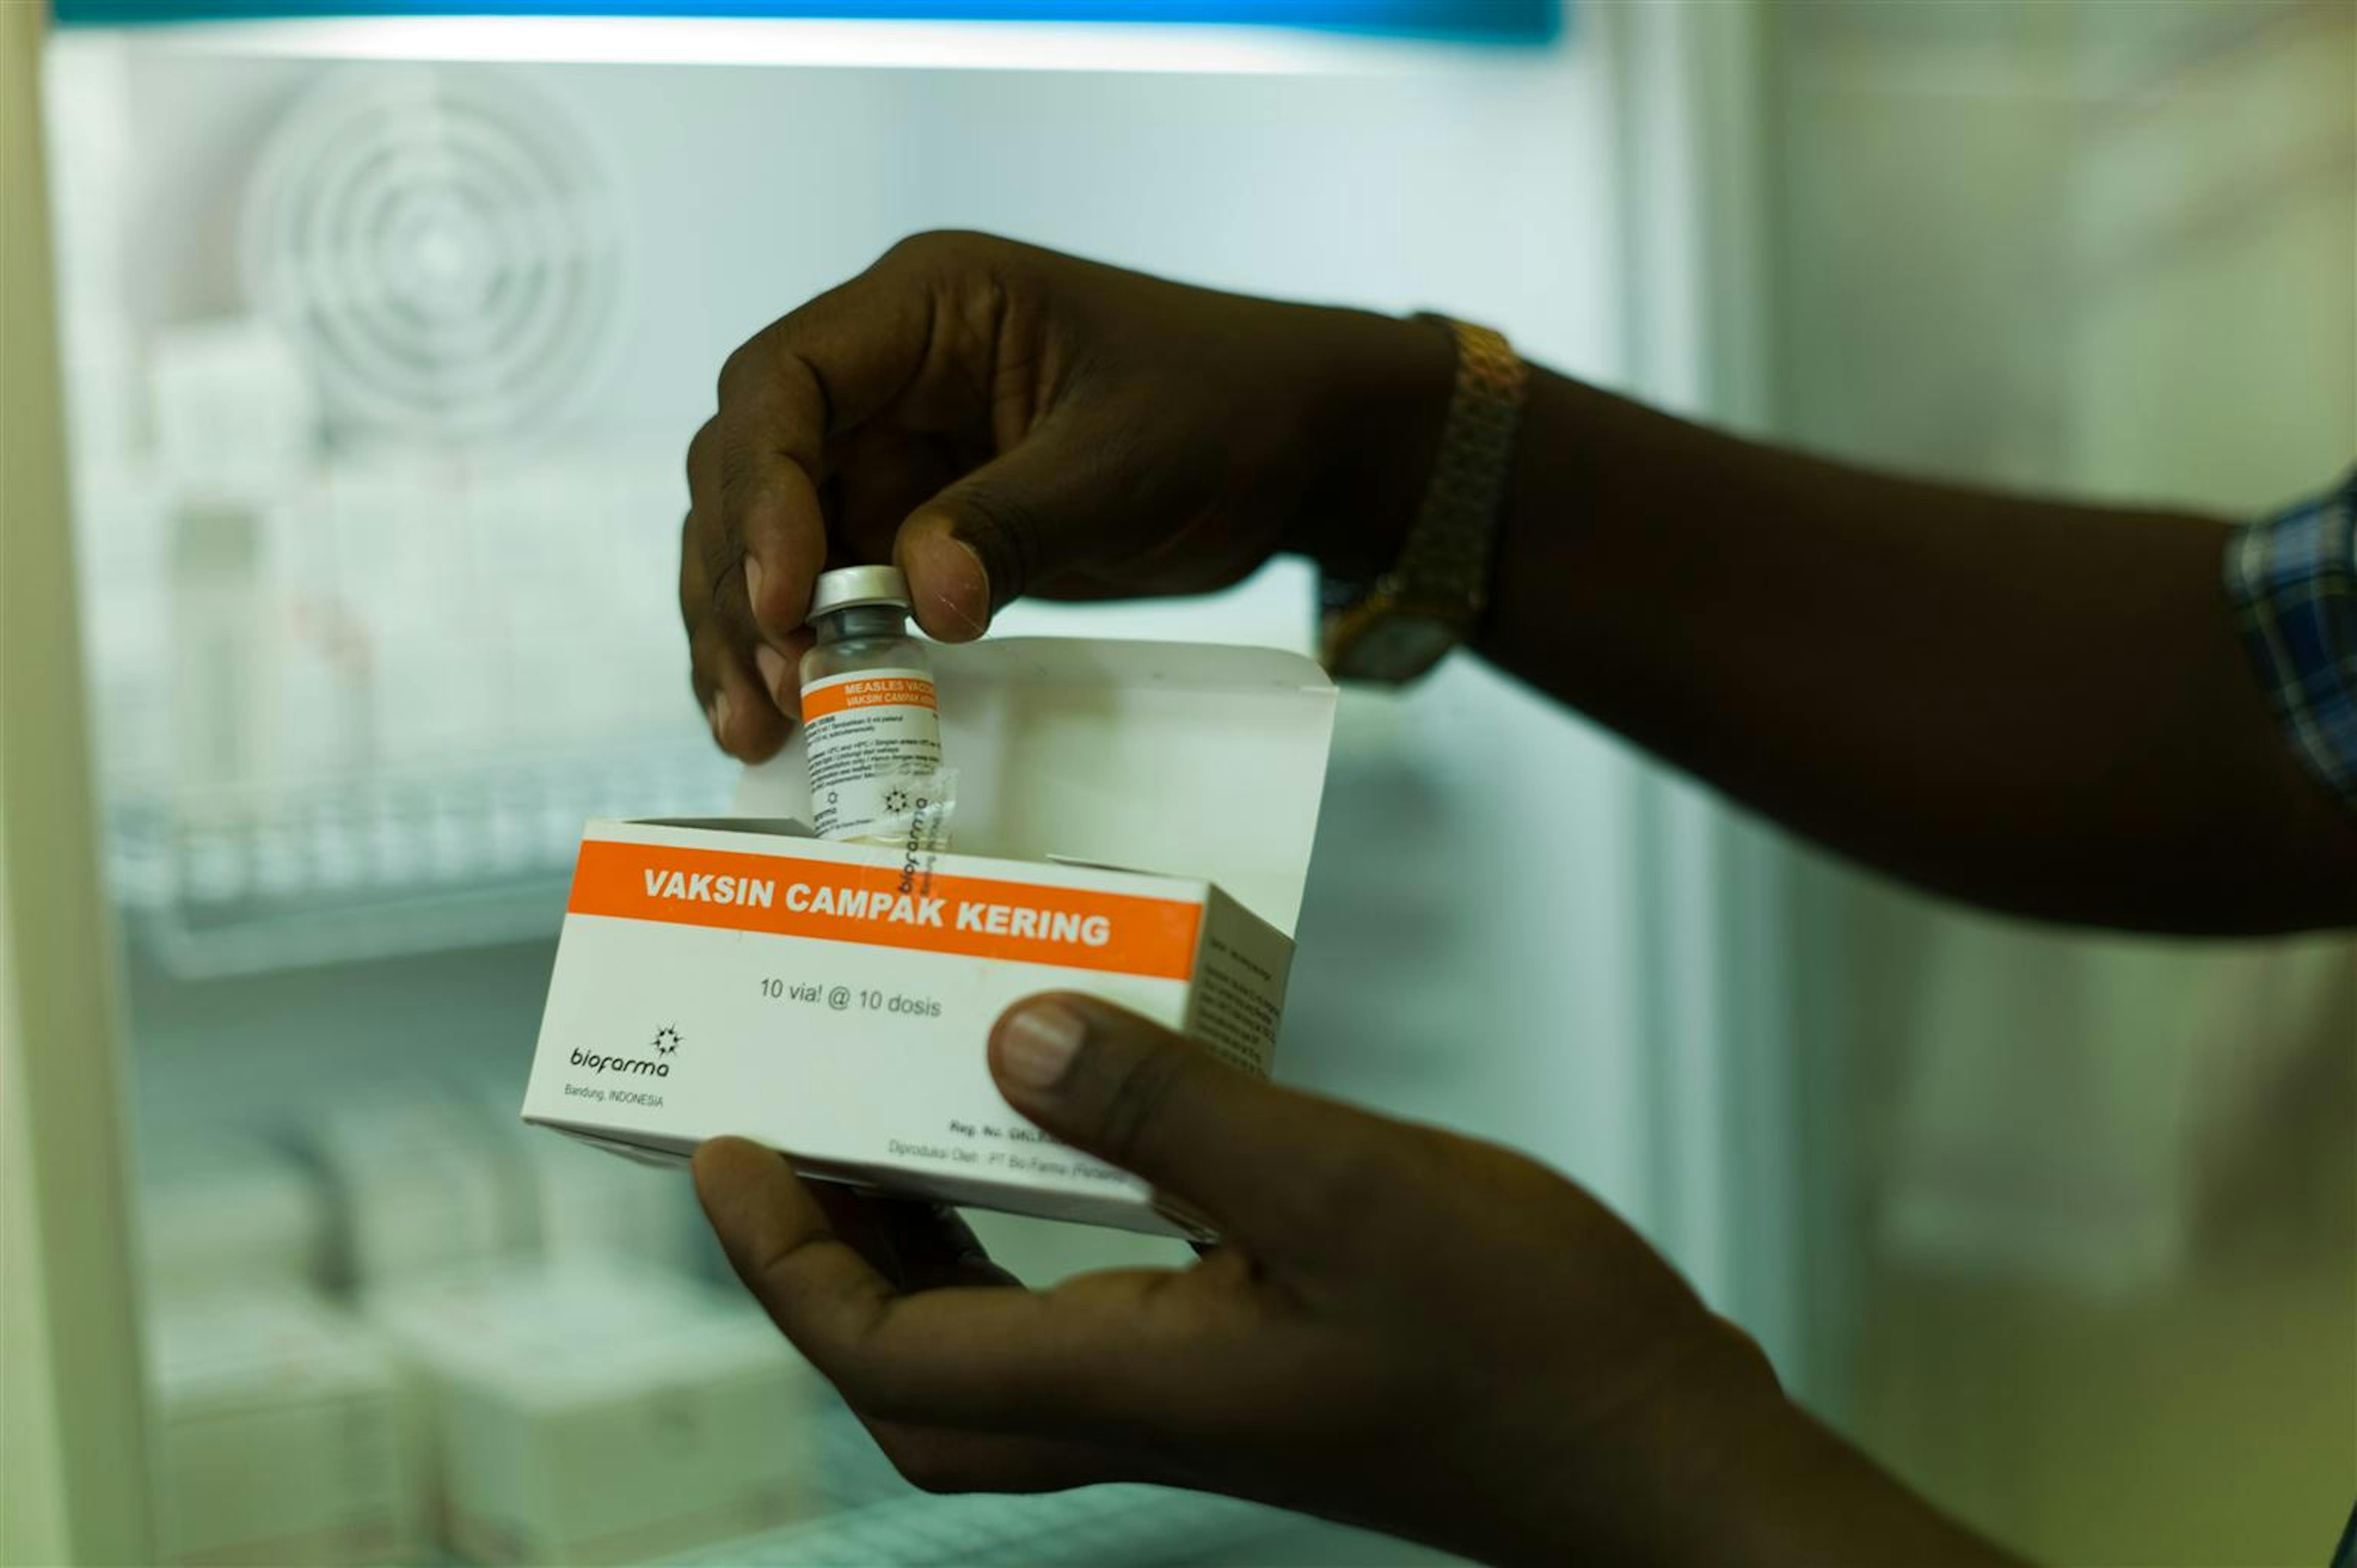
{"x": 1182, "y": 759}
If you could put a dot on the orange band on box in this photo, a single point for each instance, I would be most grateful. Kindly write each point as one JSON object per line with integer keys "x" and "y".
{"x": 882, "y": 690}
{"x": 979, "y": 917}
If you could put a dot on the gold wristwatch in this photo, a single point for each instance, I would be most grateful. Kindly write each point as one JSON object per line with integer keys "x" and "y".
{"x": 1407, "y": 619}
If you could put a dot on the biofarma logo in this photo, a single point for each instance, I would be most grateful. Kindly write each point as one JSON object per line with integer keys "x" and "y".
{"x": 664, "y": 1046}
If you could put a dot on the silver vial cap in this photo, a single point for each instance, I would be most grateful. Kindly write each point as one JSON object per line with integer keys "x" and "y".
{"x": 851, "y": 587}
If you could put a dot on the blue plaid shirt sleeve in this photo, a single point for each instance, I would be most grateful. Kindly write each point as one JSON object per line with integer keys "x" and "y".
{"x": 2292, "y": 581}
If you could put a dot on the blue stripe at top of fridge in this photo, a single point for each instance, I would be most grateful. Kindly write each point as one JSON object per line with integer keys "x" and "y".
{"x": 1506, "y": 22}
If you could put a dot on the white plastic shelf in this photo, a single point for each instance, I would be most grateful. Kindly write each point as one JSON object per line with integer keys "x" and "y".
{"x": 879, "y": 1520}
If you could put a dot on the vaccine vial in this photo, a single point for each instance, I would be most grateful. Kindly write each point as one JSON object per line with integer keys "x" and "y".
{"x": 870, "y": 718}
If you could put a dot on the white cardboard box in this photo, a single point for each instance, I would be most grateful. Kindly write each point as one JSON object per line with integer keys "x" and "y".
{"x": 834, "y": 1000}
{"x": 593, "y": 1208}
{"x": 419, "y": 1183}
{"x": 225, "y": 1210}
{"x": 287, "y": 1433}
{"x": 589, "y": 1414}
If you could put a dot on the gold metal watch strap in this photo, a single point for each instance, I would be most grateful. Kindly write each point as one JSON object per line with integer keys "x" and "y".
{"x": 1445, "y": 556}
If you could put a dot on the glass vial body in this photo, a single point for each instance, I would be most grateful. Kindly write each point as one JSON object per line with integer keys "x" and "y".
{"x": 870, "y": 717}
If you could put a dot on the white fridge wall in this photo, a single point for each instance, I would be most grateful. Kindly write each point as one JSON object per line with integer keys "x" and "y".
{"x": 1481, "y": 184}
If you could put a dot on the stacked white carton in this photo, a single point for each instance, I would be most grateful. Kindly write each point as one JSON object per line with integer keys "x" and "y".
{"x": 419, "y": 1187}
{"x": 286, "y": 1433}
{"x": 584, "y": 1414}
{"x": 227, "y": 1211}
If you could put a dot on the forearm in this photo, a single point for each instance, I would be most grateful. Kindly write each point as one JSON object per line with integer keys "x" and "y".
{"x": 1718, "y": 1465}
{"x": 1784, "y": 1489}
{"x": 2037, "y": 707}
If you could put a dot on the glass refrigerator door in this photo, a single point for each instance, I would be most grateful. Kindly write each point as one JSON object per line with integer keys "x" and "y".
{"x": 384, "y": 338}
{"x": 70, "y": 1406}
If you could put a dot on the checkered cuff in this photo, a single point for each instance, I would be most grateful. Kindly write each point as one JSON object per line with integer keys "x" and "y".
{"x": 2292, "y": 581}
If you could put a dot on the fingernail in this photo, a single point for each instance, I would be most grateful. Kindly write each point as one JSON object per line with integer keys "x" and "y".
{"x": 753, "y": 584}
{"x": 1038, "y": 1043}
{"x": 720, "y": 717}
{"x": 956, "y": 586}
{"x": 773, "y": 670}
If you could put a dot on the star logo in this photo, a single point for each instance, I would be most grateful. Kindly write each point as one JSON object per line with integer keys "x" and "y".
{"x": 896, "y": 799}
{"x": 666, "y": 1040}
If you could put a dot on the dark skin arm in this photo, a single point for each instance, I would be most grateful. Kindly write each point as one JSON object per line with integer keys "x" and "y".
{"x": 2029, "y": 706}
{"x": 2037, "y": 707}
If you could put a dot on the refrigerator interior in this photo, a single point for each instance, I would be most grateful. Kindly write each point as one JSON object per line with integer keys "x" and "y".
{"x": 380, "y": 371}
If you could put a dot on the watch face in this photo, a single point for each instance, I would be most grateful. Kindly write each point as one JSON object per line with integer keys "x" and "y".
{"x": 1400, "y": 647}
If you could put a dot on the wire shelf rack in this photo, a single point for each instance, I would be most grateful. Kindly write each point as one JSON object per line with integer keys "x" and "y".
{"x": 879, "y": 1520}
{"x": 336, "y": 870}
{"x": 1092, "y": 1527}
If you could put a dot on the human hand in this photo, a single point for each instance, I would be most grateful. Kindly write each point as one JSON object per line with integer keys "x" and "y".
{"x": 999, "y": 420}
{"x": 1405, "y": 1329}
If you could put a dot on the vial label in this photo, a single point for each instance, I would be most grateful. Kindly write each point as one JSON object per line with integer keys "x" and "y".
{"x": 869, "y": 734}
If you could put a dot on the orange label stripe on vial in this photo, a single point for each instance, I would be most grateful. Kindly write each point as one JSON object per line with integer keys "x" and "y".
{"x": 888, "y": 691}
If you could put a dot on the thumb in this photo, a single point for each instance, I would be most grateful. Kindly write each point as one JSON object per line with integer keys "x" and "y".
{"x": 1244, "y": 1151}
{"x": 1018, "y": 519}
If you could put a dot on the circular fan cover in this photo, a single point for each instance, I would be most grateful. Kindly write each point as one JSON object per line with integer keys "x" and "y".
{"x": 444, "y": 245}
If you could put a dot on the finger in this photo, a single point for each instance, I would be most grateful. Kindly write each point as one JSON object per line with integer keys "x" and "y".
{"x": 943, "y": 1459}
{"x": 738, "y": 704}
{"x": 747, "y": 690}
{"x": 950, "y": 590}
{"x": 781, "y": 1243}
{"x": 779, "y": 669}
{"x": 710, "y": 563}
{"x": 713, "y": 586}
{"x": 814, "y": 373}
{"x": 1028, "y": 515}
{"x": 695, "y": 606}
{"x": 1097, "y": 1349}
{"x": 1264, "y": 1163}
{"x": 882, "y": 474}
{"x": 916, "y": 1245}
{"x": 737, "y": 711}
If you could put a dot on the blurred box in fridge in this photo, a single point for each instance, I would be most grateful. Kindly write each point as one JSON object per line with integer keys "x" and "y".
{"x": 592, "y": 1206}
{"x": 586, "y": 1414}
{"x": 590, "y": 1209}
{"x": 227, "y": 1212}
{"x": 419, "y": 1186}
{"x": 285, "y": 1433}
{"x": 234, "y": 411}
